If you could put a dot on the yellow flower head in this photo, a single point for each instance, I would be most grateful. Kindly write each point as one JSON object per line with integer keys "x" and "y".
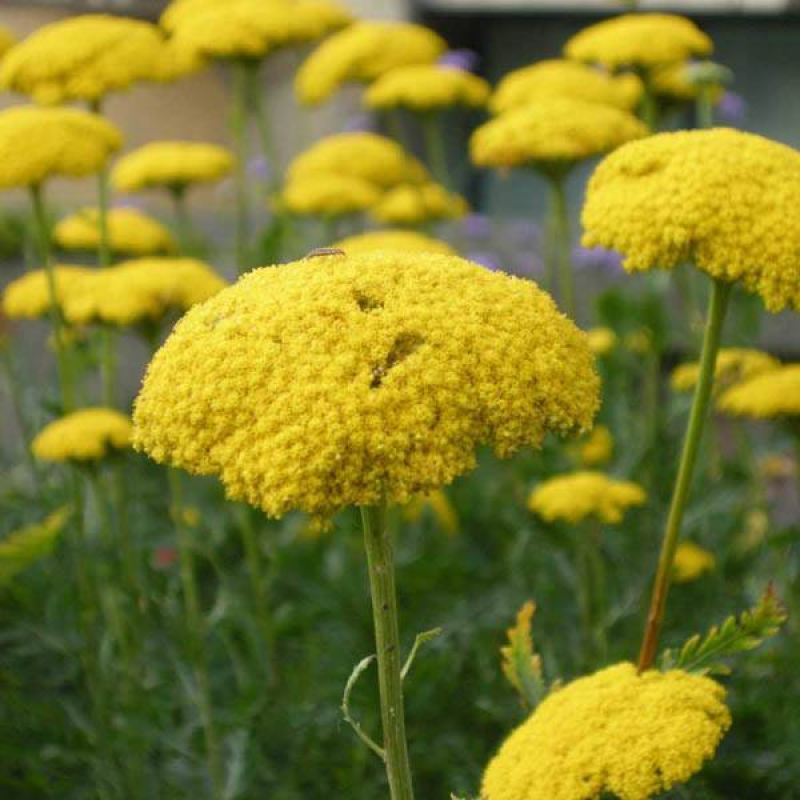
{"x": 720, "y": 199}
{"x": 368, "y": 156}
{"x": 556, "y": 78}
{"x": 581, "y": 495}
{"x": 734, "y": 365}
{"x": 631, "y": 736}
{"x": 28, "y": 297}
{"x": 250, "y": 28}
{"x": 170, "y": 165}
{"x": 673, "y": 82}
{"x": 424, "y": 87}
{"x": 337, "y": 380}
{"x": 552, "y": 133}
{"x": 26, "y": 546}
{"x": 88, "y": 56}
{"x": 130, "y": 231}
{"x": 413, "y": 205}
{"x": 774, "y": 394}
{"x": 363, "y": 52}
{"x": 85, "y": 435}
{"x": 402, "y": 240}
{"x": 691, "y": 561}
{"x": 39, "y": 143}
{"x": 596, "y": 448}
{"x": 328, "y": 194}
{"x": 602, "y": 340}
{"x": 7, "y": 40}
{"x": 639, "y": 40}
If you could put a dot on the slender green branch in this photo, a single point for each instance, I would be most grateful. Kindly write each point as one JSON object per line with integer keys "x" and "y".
{"x": 419, "y": 640}
{"x": 348, "y": 718}
{"x": 183, "y": 221}
{"x": 435, "y": 148}
{"x": 718, "y": 304}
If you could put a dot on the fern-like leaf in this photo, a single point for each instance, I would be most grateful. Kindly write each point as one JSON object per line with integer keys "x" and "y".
{"x": 522, "y": 665}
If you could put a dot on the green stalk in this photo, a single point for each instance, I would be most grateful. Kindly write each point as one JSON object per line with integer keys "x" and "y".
{"x": 196, "y": 633}
{"x": 434, "y": 147}
{"x": 183, "y": 222}
{"x": 239, "y": 128}
{"x": 378, "y": 545}
{"x": 18, "y": 405}
{"x": 560, "y": 245}
{"x": 718, "y": 304}
{"x": 704, "y": 106}
{"x": 648, "y": 111}
{"x": 45, "y": 253}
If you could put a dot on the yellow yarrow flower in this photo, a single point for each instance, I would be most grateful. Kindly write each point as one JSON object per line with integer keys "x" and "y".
{"x": 39, "y": 143}
{"x": 602, "y": 340}
{"x": 616, "y": 732}
{"x": 691, "y": 562}
{"x": 363, "y": 52}
{"x": 328, "y": 194}
{"x": 28, "y": 297}
{"x": 413, "y": 205}
{"x": 720, "y": 199}
{"x": 774, "y": 394}
{"x": 557, "y": 78}
{"x": 7, "y": 40}
{"x": 581, "y": 495}
{"x": 427, "y": 87}
{"x": 639, "y": 40}
{"x": 402, "y": 240}
{"x": 734, "y": 365}
{"x": 597, "y": 448}
{"x": 88, "y": 434}
{"x": 371, "y": 379}
{"x": 88, "y": 56}
{"x": 129, "y": 231}
{"x": 552, "y": 133}
{"x": 171, "y": 165}
{"x": 24, "y": 547}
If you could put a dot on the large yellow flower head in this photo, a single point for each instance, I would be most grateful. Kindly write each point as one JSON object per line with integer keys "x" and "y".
{"x": 28, "y": 297}
{"x": 561, "y": 78}
{"x": 614, "y": 732}
{"x": 734, "y": 364}
{"x": 86, "y": 57}
{"x": 720, "y": 199}
{"x": 85, "y": 435}
{"x": 338, "y": 380}
{"x": 170, "y": 165}
{"x": 250, "y": 28}
{"x": 426, "y": 87}
{"x": 363, "y": 52}
{"x": 39, "y": 143}
{"x": 774, "y": 394}
{"x": 328, "y": 194}
{"x": 584, "y": 494}
{"x": 639, "y": 40}
{"x": 408, "y": 204}
{"x": 691, "y": 562}
{"x": 553, "y": 133}
{"x": 130, "y": 231}
{"x": 402, "y": 240}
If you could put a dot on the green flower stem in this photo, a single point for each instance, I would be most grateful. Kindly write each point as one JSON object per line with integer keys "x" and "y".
{"x": 42, "y": 228}
{"x": 380, "y": 562}
{"x": 261, "y": 116}
{"x": 183, "y": 222}
{"x": 704, "y": 106}
{"x": 718, "y": 304}
{"x": 18, "y": 405}
{"x": 648, "y": 111}
{"x": 560, "y": 244}
{"x": 241, "y": 93}
{"x": 196, "y": 634}
{"x": 435, "y": 148}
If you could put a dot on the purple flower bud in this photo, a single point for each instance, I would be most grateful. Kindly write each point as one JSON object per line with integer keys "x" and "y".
{"x": 597, "y": 258}
{"x": 485, "y": 259}
{"x": 465, "y": 60}
{"x": 477, "y": 226}
{"x": 259, "y": 169}
{"x": 732, "y": 108}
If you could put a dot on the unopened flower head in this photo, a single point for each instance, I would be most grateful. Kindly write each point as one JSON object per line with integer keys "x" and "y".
{"x": 720, "y": 199}
{"x": 771, "y": 395}
{"x": 41, "y": 143}
{"x": 554, "y": 133}
{"x": 409, "y": 204}
{"x": 734, "y": 364}
{"x": 556, "y": 78}
{"x": 639, "y": 40}
{"x": 585, "y": 494}
{"x": 401, "y": 240}
{"x": 130, "y": 232}
{"x": 427, "y": 87}
{"x": 691, "y": 562}
{"x": 612, "y": 733}
{"x": 339, "y": 380}
{"x": 363, "y": 52}
{"x": 89, "y": 434}
{"x": 170, "y": 164}
{"x": 86, "y": 57}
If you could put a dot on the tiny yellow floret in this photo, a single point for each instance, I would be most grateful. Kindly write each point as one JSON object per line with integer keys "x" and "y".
{"x": 720, "y": 199}
{"x": 612, "y": 733}
{"x": 337, "y": 380}
{"x": 403, "y": 240}
{"x": 427, "y": 87}
{"x": 585, "y": 494}
{"x": 734, "y": 365}
{"x": 691, "y": 562}
{"x": 774, "y": 394}
{"x": 85, "y": 435}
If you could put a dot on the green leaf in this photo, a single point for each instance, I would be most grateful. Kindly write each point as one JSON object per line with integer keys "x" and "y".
{"x": 522, "y": 665}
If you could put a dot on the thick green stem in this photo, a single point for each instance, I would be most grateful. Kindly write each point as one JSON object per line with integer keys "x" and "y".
{"x": 380, "y": 562}
{"x": 648, "y": 111}
{"x": 560, "y": 245}
{"x": 239, "y": 127}
{"x": 718, "y": 304}
{"x": 196, "y": 633}
{"x": 434, "y": 147}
